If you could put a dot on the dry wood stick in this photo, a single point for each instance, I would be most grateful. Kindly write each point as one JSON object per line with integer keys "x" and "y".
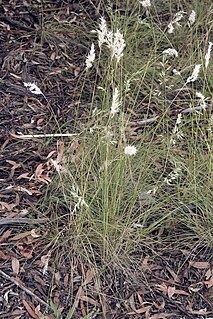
{"x": 29, "y": 292}
{"x": 19, "y": 220}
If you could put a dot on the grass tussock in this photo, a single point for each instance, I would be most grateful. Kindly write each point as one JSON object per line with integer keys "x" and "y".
{"x": 115, "y": 189}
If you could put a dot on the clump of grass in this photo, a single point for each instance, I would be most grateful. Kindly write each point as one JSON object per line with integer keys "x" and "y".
{"x": 115, "y": 194}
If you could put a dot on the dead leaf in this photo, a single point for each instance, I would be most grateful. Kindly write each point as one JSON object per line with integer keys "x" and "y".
{"x": 140, "y": 299}
{"x": 53, "y": 55}
{"x": 208, "y": 274}
{"x": 162, "y": 316}
{"x": 83, "y": 309}
{"x": 45, "y": 262}
{"x": 28, "y": 254}
{"x": 196, "y": 287}
{"x": 170, "y": 291}
{"x": 89, "y": 276}
{"x": 181, "y": 292}
{"x": 199, "y": 312}
{"x": 38, "y": 312}
{"x": 50, "y": 154}
{"x": 209, "y": 283}
{"x": 23, "y": 189}
{"x": 5, "y": 235}
{"x": 162, "y": 287}
{"x": 132, "y": 302}
{"x": 174, "y": 275}
{"x": 60, "y": 151}
{"x": 58, "y": 167}
{"x": 145, "y": 265}
{"x": 76, "y": 71}
{"x": 199, "y": 264}
{"x": 24, "y": 175}
{"x": 161, "y": 306}
{"x": 15, "y": 265}
{"x": 66, "y": 280}
{"x": 143, "y": 309}
{"x": 19, "y": 236}
{"x": 3, "y": 256}
{"x": 139, "y": 311}
{"x": 57, "y": 277}
{"x": 39, "y": 170}
{"x": 6, "y": 206}
{"x": 90, "y": 300}
{"x": 39, "y": 122}
{"x": 29, "y": 310}
{"x": 34, "y": 234}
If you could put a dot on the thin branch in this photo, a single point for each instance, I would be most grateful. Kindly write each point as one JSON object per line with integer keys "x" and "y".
{"x": 29, "y": 292}
{"x": 21, "y": 220}
{"x": 30, "y": 136}
{"x": 196, "y": 108}
{"x": 16, "y": 24}
{"x": 144, "y": 122}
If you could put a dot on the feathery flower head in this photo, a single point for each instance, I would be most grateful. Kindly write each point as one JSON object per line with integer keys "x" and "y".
{"x": 179, "y": 119}
{"x": 170, "y": 52}
{"x": 114, "y": 41}
{"x": 117, "y": 45}
{"x": 208, "y": 53}
{"x": 176, "y": 72}
{"x": 192, "y": 17}
{"x": 115, "y": 102}
{"x": 102, "y": 33}
{"x": 195, "y": 74}
{"x": 145, "y": 3}
{"x": 91, "y": 57}
{"x": 177, "y": 17}
{"x": 177, "y": 134}
{"x": 170, "y": 27}
{"x": 130, "y": 150}
{"x": 202, "y": 99}
{"x": 200, "y": 95}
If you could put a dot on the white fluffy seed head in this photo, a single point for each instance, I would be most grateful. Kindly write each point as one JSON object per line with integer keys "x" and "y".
{"x": 179, "y": 119}
{"x": 175, "y": 21}
{"x": 114, "y": 41}
{"x": 202, "y": 99}
{"x": 115, "y": 102}
{"x": 208, "y": 54}
{"x": 145, "y": 3}
{"x": 91, "y": 57}
{"x": 117, "y": 44}
{"x": 178, "y": 16}
{"x": 130, "y": 150}
{"x": 170, "y": 27}
{"x": 192, "y": 17}
{"x": 170, "y": 52}
{"x": 102, "y": 33}
{"x": 195, "y": 74}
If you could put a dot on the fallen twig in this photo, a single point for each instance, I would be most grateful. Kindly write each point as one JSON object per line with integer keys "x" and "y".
{"x": 29, "y": 292}
{"x": 16, "y": 24}
{"x": 20, "y": 220}
{"x": 196, "y": 108}
{"x": 29, "y": 136}
{"x": 144, "y": 122}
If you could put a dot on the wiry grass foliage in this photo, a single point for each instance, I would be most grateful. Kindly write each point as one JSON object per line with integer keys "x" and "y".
{"x": 112, "y": 199}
